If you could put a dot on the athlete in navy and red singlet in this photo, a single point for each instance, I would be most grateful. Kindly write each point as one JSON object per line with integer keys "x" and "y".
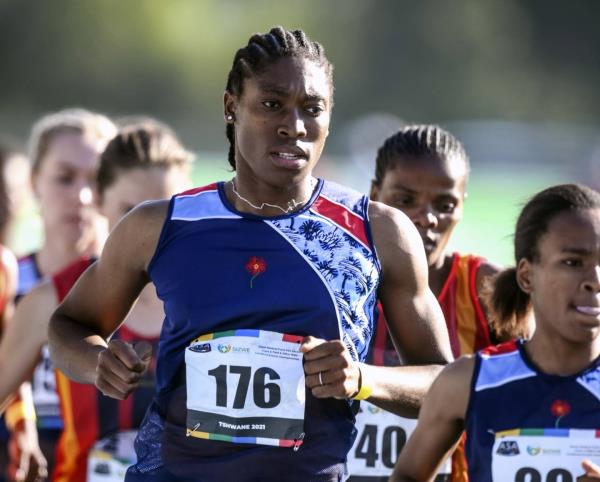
{"x": 505, "y": 376}
{"x": 531, "y": 409}
{"x": 269, "y": 283}
{"x": 320, "y": 278}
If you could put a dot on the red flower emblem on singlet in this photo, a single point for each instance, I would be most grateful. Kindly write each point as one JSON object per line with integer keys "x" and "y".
{"x": 255, "y": 266}
{"x": 559, "y": 409}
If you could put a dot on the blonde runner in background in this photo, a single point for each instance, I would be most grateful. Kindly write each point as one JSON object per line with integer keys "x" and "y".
{"x": 144, "y": 161}
{"x": 64, "y": 147}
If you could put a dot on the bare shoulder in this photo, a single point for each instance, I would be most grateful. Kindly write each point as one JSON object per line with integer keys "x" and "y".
{"x": 459, "y": 371}
{"x": 388, "y": 222}
{"x": 452, "y": 387}
{"x": 396, "y": 239}
{"x": 149, "y": 214}
{"x": 135, "y": 237}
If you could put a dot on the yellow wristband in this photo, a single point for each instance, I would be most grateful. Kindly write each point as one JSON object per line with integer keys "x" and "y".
{"x": 18, "y": 411}
{"x": 365, "y": 390}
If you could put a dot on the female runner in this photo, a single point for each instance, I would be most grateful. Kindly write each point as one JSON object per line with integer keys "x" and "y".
{"x": 531, "y": 409}
{"x": 64, "y": 148}
{"x": 248, "y": 269}
{"x": 144, "y": 161}
{"x": 423, "y": 170}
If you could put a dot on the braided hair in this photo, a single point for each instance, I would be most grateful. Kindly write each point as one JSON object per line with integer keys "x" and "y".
{"x": 263, "y": 50}
{"x": 417, "y": 141}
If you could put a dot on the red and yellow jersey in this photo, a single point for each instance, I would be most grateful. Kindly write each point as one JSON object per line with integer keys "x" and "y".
{"x": 88, "y": 415}
{"x": 465, "y": 318}
{"x": 467, "y": 327}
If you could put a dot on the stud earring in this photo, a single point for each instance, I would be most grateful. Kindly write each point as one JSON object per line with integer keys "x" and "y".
{"x": 228, "y": 117}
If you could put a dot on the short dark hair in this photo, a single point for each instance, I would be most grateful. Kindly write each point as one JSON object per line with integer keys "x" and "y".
{"x": 417, "y": 141}
{"x": 264, "y": 49}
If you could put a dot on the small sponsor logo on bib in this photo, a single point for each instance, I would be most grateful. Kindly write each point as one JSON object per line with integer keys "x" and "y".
{"x": 533, "y": 450}
{"x": 224, "y": 348}
{"x": 228, "y": 348}
{"x": 202, "y": 348}
{"x": 373, "y": 409}
{"x": 508, "y": 447}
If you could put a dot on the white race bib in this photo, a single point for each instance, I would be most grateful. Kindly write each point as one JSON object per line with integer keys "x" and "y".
{"x": 246, "y": 386}
{"x": 381, "y": 437}
{"x": 45, "y": 396}
{"x": 110, "y": 458}
{"x": 543, "y": 455}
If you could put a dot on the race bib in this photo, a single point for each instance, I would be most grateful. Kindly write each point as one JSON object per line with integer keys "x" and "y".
{"x": 381, "y": 437}
{"x": 543, "y": 455}
{"x": 45, "y": 396}
{"x": 246, "y": 386}
{"x": 110, "y": 457}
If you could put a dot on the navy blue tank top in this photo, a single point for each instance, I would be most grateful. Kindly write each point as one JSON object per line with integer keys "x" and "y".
{"x": 511, "y": 395}
{"x": 313, "y": 272}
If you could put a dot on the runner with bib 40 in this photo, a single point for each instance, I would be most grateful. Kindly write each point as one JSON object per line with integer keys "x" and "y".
{"x": 269, "y": 283}
{"x": 423, "y": 170}
{"x": 531, "y": 409}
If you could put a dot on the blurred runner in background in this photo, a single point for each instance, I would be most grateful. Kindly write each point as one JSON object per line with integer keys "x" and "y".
{"x": 423, "y": 170}
{"x": 144, "y": 161}
{"x": 8, "y": 275}
{"x": 64, "y": 148}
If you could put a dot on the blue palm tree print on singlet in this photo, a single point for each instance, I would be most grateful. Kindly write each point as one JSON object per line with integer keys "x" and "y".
{"x": 590, "y": 379}
{"x": 349, "y": 269}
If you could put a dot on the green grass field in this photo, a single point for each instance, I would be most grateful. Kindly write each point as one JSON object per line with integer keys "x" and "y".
{"x": 491, "y": 211}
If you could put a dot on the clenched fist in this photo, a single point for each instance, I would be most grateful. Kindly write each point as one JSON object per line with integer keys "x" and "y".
{"x": 329, "y": 368}
{"x": 121, "y": 366}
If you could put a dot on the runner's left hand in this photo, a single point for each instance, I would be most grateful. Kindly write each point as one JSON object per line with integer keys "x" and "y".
{"x": 339, "y": 373}
{"x": 592, "y": 472}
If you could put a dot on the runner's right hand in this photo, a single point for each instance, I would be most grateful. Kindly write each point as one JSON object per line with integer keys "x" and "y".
{"x": 592, "y": 472}
{"x": 121, "y": 366}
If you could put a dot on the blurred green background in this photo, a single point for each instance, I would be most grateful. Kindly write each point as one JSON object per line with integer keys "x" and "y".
{"x": 516, "y": 81}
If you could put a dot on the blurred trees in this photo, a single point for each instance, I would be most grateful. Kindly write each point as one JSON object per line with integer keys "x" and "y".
{"x": 424, "y": 60}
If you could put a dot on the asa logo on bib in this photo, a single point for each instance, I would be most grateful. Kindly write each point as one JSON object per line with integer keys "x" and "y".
{"x": 201, "y": 348}
{"x": 508, "y": 447}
